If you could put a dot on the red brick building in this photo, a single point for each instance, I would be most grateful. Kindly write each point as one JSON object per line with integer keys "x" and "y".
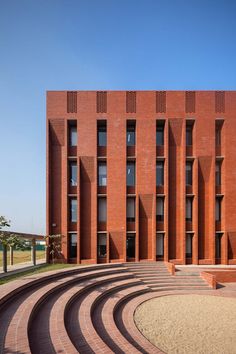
{"x": 142, "y": 175}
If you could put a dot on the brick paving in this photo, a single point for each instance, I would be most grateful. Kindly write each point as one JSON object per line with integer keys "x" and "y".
{"x": 89, "y": 309}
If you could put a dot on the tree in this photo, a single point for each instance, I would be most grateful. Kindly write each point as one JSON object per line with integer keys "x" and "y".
{"x": 4, "y": 222}
{"x": 54, "y": 244}
{"x": 10, "y": 239}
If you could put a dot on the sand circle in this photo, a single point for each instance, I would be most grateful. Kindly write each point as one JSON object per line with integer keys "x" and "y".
{"x": 189, "y": 323}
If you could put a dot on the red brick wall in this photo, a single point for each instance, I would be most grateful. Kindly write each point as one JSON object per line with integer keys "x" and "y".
{"x": 176, "y": 107}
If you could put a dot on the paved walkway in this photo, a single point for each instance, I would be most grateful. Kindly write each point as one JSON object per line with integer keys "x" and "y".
{"x": 20, "y": 267}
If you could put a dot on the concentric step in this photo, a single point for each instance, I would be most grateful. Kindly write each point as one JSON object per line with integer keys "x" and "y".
{"x": 84, "y": 309}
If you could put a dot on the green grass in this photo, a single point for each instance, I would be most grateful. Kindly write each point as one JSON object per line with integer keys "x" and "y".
{"x": 40, "y": 269}
{"x": 21, "y": 256}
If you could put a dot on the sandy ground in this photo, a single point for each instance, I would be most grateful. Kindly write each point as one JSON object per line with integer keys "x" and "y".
{"x": 189, "y": 324}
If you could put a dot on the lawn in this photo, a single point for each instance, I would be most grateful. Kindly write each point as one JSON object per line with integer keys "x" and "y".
{"x": 40, "y": 269}
{"x": 21, "y": 256}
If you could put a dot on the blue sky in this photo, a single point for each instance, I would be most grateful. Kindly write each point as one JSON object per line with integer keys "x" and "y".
{"x": 96, "y": 44}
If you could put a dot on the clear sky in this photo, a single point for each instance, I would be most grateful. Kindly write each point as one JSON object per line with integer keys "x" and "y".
{"x": 96, "y": 44}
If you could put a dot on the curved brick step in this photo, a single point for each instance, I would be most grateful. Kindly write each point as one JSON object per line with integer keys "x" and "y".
{"x": 173, "y": 277}
{"x": 43, "y": 325}
{"x": 124, "y": 317}
{"x": 149, "y": 273}
{"x": 178, "y": 288}
{"x": 76, "y": 312}
{"x": 18, "y": 298}
{"x": 105, "y": 325}
{"x": 177, "y": 280}
{"x": 84, "y": 309}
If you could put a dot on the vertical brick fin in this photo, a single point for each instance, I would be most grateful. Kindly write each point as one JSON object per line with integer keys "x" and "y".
{"x": 232, "y": 244}
{"x": 146, "y": 205}
{"x": 101, "y": 102}
{"x": 175, "y": 131}
{"x": 116, "y": 243}
{"x": 57, "y": 132}
{"x": 219, "y": 102}
{"x": 205, "y": 165}
{"x": 190, "y": 98}
{"x": 130, "y": 102}
{"x": 71, "y": 101}
{"x": 160, "y": 101}
{"x": 88, "y": 168}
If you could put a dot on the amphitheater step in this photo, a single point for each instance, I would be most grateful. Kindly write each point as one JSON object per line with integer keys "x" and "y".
{"x": 80, "y": 309}
{"x": 174, "y": 281}
{"x": 172, "y": 288}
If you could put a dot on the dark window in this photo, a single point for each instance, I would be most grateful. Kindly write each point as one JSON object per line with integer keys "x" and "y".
{"x": 189, "y": 135}
{"x": 73, "y": 135}
{"x": 189, "y": 177}
{"x": 73, "y": 245}
{"x": 218, "y": 209}
{"x": 102, "y": 209}
{"x": 160, "y": 245}
{"x": 160, "y": 173}
{"x": 130, "y": 135}
{"x": 218, "y": 245}
{"x": 189, "y": 206}
{"x": 73, "y": 174}
{"x": 218, "y": 173}
{"x": 130, "y": 245}
{"x": 160, "y": 209}
{"x": 218, "y": 135}
{"x": 102, "y": 245}
{"x": 73, "y": 210}
{"x": 102, "y": 135}
{"x": 160, "y": 135}
{"x": 189, "y": 242}
{"x": 102, "y": 174}
{"x": 130, "y": 210}
{"x": 130, "y": 174}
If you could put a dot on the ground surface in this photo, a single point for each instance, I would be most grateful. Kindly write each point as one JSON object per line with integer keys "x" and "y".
{"x": 189, "y": 323}
{"x": 22, "y": 256}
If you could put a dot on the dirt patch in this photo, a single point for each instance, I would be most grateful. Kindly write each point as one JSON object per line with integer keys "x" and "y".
{"x": 190, "y": 324}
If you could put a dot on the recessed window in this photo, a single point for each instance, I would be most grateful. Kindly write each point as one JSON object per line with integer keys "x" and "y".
{"x": 218, "y": 173}
{"x": 218, "y": 209}
{"x": 130, "y": 209}
{"x": 189, "y": 174}
{"x": 218, "y": 134}
{"x": 130, "y": 134}
{"x": 73, "y": 210}
{"x": 160, "y": 173}
{"x": 102, "y": 245}
{"x": 189, "y": 135}
{"x": 159, "y": 245}
{"x": 218, "y": 245}
{"x": 73, "y": 174}
{"x": 73, "y": 135}
{"x": 189, "y": 239}
{"x": 130, "y": 245}
{"x": 102, "y": 174}
{"x": 102, "y": 133}
{"x": 160, "y": 133}
{"x": 189, "y": 204}
{"x": 72, "y": 245}
{"x": 130, "y": 174}
{"x": 102, "y": 209}
{"x": 160, "y": 209}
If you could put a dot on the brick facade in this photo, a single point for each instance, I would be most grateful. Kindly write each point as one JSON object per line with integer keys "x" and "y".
{"x": 199, "y": 238}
